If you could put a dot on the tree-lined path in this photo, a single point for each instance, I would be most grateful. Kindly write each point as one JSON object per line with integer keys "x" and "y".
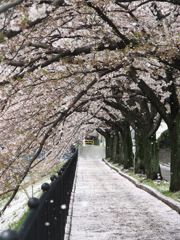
{"x": 70, "y": 68}
{"x": 109, "y": 207}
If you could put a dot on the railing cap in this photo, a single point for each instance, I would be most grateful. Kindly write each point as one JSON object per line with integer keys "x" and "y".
{"x": 9, "y": 234}
{"x": 45, "y": 187}
{"x": 33, "y": 202}
{"x": 53, "y": 178}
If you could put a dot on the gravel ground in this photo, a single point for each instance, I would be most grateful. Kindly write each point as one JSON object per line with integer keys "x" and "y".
{"x": 107, "y": 206}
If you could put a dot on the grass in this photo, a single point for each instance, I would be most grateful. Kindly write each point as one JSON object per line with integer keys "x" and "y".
{"x": 15, "y": 225}
{"x": 160, "y": 185}
{"x": 57, "y": 167}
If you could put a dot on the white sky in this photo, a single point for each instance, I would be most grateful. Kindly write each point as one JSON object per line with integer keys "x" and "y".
{"x": 162, "y": 128}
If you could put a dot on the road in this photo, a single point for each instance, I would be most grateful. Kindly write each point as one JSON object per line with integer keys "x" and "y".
{"x": 109, "y": 207}
{"x": 165, "y": 171}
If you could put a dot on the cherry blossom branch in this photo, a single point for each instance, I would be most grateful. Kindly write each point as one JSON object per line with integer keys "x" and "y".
{"x": 65, "y": 114}
{"x": 76, "y": 52}
{"x": 109, "y": 22}
{"x": 47, "y": 135}
{"x": 12, "y": 33}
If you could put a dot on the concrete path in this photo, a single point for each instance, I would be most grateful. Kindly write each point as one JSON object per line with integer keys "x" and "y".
{"x": 107, "y": 206}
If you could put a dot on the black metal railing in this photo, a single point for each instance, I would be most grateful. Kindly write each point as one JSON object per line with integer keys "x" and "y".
{"x": 48, "y": 214}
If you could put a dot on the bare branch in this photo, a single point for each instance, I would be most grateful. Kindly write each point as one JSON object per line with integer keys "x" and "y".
{"x": 109, "y": 22}
{"x": 7, "y": 6}
{"x": 58, "y": 2}
{"x": 176, "y": 2}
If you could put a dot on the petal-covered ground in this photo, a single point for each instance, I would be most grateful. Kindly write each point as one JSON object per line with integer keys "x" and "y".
{"x": 109, "y": 207}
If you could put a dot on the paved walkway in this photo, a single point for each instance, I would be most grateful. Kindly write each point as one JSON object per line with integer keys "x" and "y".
{"x": 109, "y": 207}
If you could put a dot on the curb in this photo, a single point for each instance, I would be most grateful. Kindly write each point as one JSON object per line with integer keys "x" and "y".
{"x": 168, "y": 201}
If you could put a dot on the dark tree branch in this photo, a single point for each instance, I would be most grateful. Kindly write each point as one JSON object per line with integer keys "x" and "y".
{"x": 150, "y": 95}
{"x": 155, "y": 127}
{"x": 176, "y": 2}
{"x": 68, "y": 53}
{"x": 173, "y": 99}
{"x": 58, "y": 2}
{"x": 109, "y": 22}
{"x": 7, "y": 6}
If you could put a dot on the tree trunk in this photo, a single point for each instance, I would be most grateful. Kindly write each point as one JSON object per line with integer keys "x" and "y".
{"x": 139, "y": 154}
{"x": 126, "y": 148}
{"x": 111, "y": 154}
{"x": 121, "y": 153}
{"x": 151, "y": 158}
{"x": 175, "y": 155}
{"x": 115, "y": 147}
{"x": 108, "y": 145}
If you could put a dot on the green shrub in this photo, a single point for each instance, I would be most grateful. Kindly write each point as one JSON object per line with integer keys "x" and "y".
{"x": 164, "y": 140}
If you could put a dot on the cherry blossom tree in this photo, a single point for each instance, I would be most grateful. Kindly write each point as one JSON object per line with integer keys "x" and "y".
{"x": 145, "y": 121}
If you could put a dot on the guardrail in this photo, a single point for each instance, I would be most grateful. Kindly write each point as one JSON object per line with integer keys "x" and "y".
{"x": 48, "y": 214}
{"x": 91, "y": 142}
